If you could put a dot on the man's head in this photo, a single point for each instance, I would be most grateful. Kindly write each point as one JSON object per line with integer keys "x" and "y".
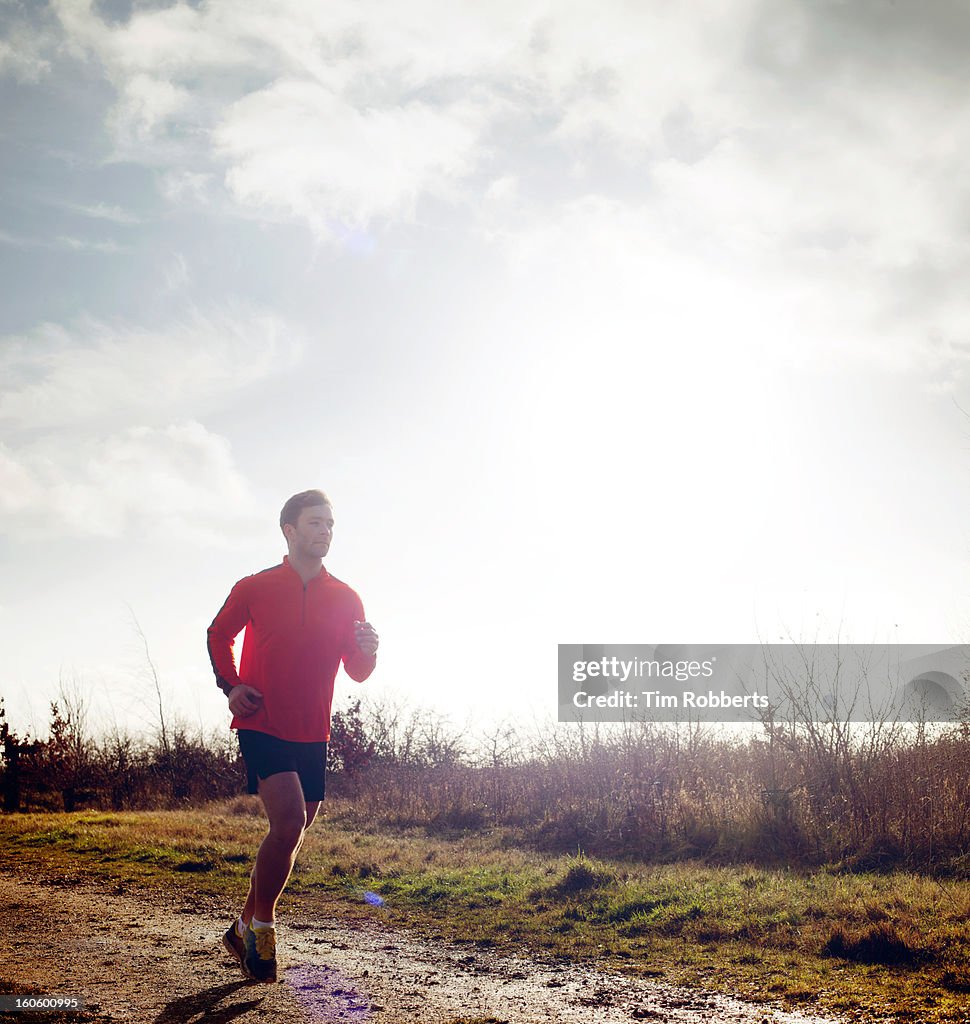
{"x": 307, "y": 524}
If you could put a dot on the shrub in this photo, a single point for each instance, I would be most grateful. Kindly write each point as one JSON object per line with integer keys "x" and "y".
{"x": 880, "y": 943}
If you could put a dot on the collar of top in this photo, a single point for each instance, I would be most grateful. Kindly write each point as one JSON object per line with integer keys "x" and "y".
{"x": 320, "y": 575}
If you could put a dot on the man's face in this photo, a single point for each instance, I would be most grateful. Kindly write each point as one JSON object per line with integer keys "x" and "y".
{"x": 312, "y": 533}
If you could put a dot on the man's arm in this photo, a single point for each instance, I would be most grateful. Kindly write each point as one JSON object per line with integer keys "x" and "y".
{"x": 226, "y": 626}
{"x": 360, "y": 654}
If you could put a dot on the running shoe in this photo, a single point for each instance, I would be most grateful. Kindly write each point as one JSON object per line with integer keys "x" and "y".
{"x": 260, "y": 959}
{"x": 233, "y": 942}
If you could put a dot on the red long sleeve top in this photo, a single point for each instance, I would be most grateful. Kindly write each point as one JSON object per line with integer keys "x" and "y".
{"x": 296, "y": 637}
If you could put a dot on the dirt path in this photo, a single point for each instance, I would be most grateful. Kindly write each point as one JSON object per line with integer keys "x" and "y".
{"x": 159, "y": 960}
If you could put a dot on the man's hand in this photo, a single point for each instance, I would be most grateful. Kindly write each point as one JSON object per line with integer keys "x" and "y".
{"x": 366, "y": 637}
{"x": 244, "y": 700}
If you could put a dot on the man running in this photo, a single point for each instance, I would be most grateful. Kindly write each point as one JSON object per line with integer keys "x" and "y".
{"x": 300, "y": 622}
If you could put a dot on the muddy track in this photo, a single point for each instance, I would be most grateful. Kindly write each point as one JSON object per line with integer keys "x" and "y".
{"x": 157, "y": 959}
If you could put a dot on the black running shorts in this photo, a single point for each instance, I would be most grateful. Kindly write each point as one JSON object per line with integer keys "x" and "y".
{"x": 266, "y": 755}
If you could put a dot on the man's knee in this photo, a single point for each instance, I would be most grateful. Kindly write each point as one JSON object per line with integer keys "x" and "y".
{"x": 285, "y": 808}
{"x": 288, "y": 830}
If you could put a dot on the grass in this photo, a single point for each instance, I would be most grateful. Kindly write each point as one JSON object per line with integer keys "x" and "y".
{"x": 864, "y": 945}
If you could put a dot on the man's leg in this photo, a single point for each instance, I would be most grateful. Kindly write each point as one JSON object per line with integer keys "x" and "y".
{"x": 274, "y": 861}
{"x": 283, "y": 801}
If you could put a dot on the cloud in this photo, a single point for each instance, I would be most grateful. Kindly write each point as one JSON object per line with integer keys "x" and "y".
{"x": 820, "y": 144}
{"x": 299, "y": 148}
{"x": 352, "y": 111}
{"x": 146, "y": 105}
{"x": 21, "y": 64}
{"x": 102, "y": 430}
{"x": 69, "y": 242}
{"x": 18, "y": 488}
{"x": 102, "y": 211}
{"x": 176, "y": 273}
{"x": 334, "y": 117}
{"x": 26, "y": 44}
{"x": 181, "y": 186}
{"x": 97, "y": 373}
{"x": 636, "y": 284}
{"x": 64, "y": 243}
{"x": 177, "y": 481}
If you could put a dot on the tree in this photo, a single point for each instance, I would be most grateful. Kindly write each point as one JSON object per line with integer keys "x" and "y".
{"x": 350, "y": 746}
{"x": 13, "y": 750}
{"x": 70, "y": 764}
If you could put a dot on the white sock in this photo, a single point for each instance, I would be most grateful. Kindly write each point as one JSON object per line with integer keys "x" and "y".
{"x": 254, "y": 924}
{"x": 240, "y": 927}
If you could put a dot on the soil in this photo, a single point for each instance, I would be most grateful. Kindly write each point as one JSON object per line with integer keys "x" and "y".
{"x": 151, "y": 956}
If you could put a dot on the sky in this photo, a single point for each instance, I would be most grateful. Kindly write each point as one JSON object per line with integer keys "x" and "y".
{"x": 599, "y": 323}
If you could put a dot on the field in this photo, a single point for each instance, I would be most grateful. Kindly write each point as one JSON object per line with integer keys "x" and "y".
{"x": 857, "y": 946}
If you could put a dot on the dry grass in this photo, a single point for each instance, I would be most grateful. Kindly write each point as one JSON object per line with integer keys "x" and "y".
{"x": 865, "y": 798}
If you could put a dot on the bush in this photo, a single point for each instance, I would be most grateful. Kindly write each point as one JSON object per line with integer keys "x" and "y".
{"x": 880, "y": 943}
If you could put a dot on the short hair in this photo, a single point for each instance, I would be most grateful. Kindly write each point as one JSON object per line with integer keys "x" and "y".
{"x": 295, "y": 505}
